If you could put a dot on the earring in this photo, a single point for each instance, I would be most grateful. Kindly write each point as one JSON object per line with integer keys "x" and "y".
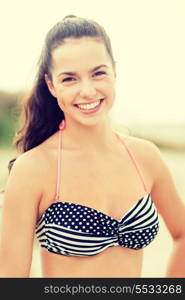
{"x": 62, "y": 125}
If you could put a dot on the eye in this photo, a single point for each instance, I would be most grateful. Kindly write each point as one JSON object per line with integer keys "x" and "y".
{"x": 68, "y": 79}
{"x": 99, "y": 73}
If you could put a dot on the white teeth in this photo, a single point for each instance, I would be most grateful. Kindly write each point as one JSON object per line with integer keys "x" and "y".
{"x": 89, "y": 106}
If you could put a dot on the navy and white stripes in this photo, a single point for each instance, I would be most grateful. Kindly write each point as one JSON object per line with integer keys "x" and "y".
{"x": 77, "y": 230}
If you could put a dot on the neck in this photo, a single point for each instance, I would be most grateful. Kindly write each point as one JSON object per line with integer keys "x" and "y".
{"x": 99, "y": 138}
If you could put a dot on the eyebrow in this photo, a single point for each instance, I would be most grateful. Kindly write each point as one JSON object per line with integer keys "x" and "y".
{"x": 73, "y": 73}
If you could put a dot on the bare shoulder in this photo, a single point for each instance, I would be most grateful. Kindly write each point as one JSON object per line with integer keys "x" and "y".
{"x": 40, "y": 156}
{"x": 32, "y": 160}
{"x": 143, "y": 149}
{"x": 27, "y": 172}
{"x": 147, "y": 155}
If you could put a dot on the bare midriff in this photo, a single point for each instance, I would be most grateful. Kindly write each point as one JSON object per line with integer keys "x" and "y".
{"x": 113, "y": 262}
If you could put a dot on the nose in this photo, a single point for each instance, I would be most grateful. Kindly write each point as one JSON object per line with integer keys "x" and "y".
{"x": 87, "y": 89}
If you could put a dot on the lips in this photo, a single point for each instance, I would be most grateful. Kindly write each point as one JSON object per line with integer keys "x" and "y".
{"x": 85, "y": 103}
{"x": 89, "y": 110}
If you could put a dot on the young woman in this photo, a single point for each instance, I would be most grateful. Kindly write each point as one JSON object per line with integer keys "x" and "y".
{"x": 91, "y": 196}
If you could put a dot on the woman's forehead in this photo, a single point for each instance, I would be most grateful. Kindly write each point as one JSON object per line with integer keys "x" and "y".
{"x": 75, "y": 52}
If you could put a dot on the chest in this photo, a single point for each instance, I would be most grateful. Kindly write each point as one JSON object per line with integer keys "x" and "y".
{"x": 110, "y": 184}
{"x": 96, "y": 180}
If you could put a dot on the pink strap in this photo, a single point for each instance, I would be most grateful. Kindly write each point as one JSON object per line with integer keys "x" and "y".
{"x": 59, "y": 167}
{"x": 134, "y": 162}
{"x": 61, "y": 127}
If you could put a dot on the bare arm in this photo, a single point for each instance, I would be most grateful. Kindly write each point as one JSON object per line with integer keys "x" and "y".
{"x": 20, "y": 208}
{"x": 172, "y": 210}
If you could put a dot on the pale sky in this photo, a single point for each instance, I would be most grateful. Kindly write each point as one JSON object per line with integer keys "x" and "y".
{"x": 148, "y": 44}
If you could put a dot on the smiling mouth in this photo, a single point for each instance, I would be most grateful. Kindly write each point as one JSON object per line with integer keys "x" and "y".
{"x": 89, "y": 106}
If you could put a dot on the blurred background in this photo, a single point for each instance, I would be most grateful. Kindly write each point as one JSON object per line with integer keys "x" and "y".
{"x": 148, "y": 45}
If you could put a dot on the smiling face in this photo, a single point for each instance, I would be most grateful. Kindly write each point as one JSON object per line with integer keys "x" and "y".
{"x": 82, "y": 73}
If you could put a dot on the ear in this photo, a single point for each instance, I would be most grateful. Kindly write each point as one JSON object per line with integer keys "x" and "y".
{"x": 50, "y": 85}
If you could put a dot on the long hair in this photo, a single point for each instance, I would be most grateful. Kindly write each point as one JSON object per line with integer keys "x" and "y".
{"x": 41, "y": 114}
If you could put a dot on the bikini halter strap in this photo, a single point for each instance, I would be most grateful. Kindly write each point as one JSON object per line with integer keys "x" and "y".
{"x": 61, "y": 127}
{"x": 133, "y": 159}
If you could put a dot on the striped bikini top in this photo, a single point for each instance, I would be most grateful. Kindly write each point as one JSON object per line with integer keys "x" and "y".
{"x": 77, "y": 230}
